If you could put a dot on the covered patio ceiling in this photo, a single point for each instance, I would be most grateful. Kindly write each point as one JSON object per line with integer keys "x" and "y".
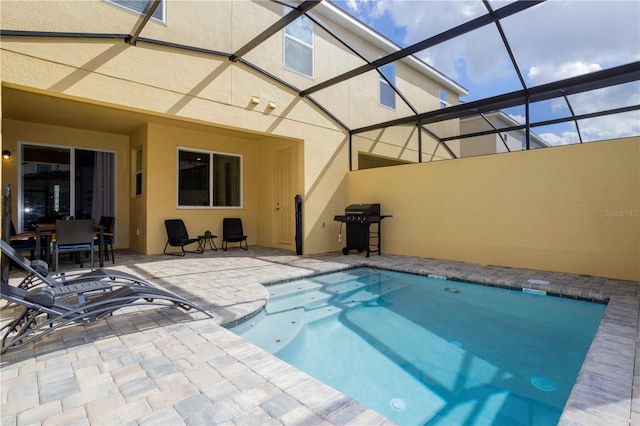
{"x": 23, "y": 105}
{"x": 573, "y": 93}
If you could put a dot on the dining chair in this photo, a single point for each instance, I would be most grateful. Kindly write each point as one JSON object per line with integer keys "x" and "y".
{"x": 23, "y": 240}
{"x": 107, "y": 223}
{"x": 73, "y": 236}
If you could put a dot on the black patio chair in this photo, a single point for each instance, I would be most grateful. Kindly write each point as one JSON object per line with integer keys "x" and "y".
{"x": 232, "y": 233}
{"x": 177, "y": 236}
{"x": 46, "y": 309}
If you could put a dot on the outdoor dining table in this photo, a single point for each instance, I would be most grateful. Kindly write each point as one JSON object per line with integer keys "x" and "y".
{"x": 46, "y": 230}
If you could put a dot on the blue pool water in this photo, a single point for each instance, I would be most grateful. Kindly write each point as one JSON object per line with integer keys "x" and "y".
{"x": 422, "y": 350}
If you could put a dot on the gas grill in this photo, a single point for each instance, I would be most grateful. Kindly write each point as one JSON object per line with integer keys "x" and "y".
{"x": 361, "y": 235}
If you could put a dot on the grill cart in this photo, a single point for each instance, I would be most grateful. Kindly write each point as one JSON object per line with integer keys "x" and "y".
{"x": 363, "y": 227}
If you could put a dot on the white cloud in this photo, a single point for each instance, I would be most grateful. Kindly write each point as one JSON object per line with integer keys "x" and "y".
{"x": 352, "y": 5}
{"x": 367, "y": 10}
{"x": 565, "y": 138}
{"x": 551, "y": 41}
{"x": 556, "y": 38}
{"x": 610, "y": 127}
{"x": 552, "y": 72}
{"x": 518, "y": 118}
{"x": 594, "y": 129}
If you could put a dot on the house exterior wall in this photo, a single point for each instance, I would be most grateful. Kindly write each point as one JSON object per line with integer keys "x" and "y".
{"x": 161, "y": 187}
{"x": 571, "y": 209}
{"x": 207, "y": 89}
{"x": 138, "y": 203}
{"x": 492, "y": 143}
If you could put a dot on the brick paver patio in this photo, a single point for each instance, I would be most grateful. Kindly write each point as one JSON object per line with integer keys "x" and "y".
{"x": 165, "y": 366}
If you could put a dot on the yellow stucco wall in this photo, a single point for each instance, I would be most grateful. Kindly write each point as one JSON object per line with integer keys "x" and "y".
{"x": 161, "y": 184}
{"x": 138, "y": 212}
{"x": 572, "y": 209}
{"x": 205, "y": 99}
{"x": 19, "y": 131}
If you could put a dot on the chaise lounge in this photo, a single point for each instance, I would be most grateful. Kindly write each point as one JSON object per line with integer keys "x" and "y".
{"x": 52, "y": 302}
{"x": 38, "y": 273}
{"x": 45, "y": 311}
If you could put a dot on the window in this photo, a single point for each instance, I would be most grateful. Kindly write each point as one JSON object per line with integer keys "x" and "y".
{"x": 138, "y": 6}
{"x": 298, "y": 46}
{"x": 138, "y": 172}
{"x": 387, "y": 94}
{"x": 443, "y": 99}
{"x": 209, "y": 179}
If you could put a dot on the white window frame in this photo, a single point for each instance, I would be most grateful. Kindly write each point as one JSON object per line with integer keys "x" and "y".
{"x": 383, "y": 84}
{"x": 139, "y": 12}
{"x": 211, "y": 178}
{"x": 443, "y": 99}
{"x": 301, "y": 42}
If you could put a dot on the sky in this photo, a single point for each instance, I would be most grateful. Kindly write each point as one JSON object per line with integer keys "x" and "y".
{"x": 551, "y": 41}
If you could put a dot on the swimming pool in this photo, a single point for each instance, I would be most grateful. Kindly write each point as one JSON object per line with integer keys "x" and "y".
{"x": 424, "y": 350}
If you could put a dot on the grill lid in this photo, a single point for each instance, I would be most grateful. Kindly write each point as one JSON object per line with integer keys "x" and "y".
{"x": 363, "y": 209}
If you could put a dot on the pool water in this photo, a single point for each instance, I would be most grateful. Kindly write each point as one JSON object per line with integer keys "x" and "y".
{"x": 421, "y": 350}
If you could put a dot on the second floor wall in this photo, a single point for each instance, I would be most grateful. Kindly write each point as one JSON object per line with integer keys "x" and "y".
{"x": 226, "y": 26}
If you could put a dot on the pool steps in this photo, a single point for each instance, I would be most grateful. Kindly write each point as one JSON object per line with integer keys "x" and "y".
{"x": 273, "y": 332}
{"x": 293, "y": 305}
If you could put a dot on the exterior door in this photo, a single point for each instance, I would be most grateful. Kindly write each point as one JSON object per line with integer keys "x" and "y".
{"x": 284, "y": 209}
{"x": 46, "y": 184}
{"x": 60, "y": 182}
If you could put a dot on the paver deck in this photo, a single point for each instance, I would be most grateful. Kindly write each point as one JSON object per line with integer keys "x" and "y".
{"x": 165, "y": 366}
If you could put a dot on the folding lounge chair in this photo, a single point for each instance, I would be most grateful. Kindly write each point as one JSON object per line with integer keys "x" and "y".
{"x": 38, "y": 273}
{"x": 45, "y": 311}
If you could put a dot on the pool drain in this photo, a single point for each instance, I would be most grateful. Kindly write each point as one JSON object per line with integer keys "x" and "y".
{"x": 543, "y": 383}
{"x": 451, "y": 290}
{"x": 398, "y": 403}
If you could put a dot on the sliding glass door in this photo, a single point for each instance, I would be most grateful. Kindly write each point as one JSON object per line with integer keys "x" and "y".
{"x": 48, "y": 191}
{"x": 46, "y": 184}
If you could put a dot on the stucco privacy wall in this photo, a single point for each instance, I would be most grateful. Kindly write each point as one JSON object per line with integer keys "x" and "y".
{"x": 571, "y": 209}
{"x": 14, "y": 131}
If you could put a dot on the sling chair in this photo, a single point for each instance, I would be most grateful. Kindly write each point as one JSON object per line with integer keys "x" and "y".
{"x": 49, "y": 308}
{"x": 177, "y": 236}
{"x": 232, "y": 233}
{"x": 38, "y": 272}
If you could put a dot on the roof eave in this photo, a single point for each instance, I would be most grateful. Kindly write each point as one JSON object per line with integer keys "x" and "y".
{"x": 375, "y": 38}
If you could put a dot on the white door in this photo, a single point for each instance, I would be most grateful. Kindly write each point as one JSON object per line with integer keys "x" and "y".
{"x": 284, "y": 203}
